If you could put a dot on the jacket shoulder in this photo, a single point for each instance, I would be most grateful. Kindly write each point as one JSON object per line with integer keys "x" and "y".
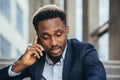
{"x": 78, "y": 44}
{"x": 81, "y": 48}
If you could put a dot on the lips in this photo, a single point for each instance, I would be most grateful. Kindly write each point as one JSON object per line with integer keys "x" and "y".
{"x": 55, "y": 50}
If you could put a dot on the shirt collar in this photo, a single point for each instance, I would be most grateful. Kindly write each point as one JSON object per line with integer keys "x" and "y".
{"x": 49, "y": 61}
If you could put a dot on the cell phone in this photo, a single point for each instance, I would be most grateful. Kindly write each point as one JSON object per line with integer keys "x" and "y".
{"x": 39, "y": 41}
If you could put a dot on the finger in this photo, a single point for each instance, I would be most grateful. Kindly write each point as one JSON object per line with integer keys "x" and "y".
{"x": 36, "y": 54}
{"x": 39, "y": 51}
{"x": 40, "y": 47}
{"x": 36, "y": 49}
{"x": 33, "y": 49}
{"x": 35, "y": 39}
{"x": 36, "y": 46}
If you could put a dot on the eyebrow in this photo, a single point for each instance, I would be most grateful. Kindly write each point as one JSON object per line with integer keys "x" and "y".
{"x": 46, "y": 33}
{"x": 60, "y": 29}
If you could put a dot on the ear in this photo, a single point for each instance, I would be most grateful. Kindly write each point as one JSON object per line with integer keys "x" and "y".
{"x": 67, "y": 29}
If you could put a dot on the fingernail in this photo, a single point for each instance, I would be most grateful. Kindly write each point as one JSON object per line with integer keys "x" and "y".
{"x": 42, "y": 49}
{"x": 41, "y": 54}
{"x": 39, "y": 57}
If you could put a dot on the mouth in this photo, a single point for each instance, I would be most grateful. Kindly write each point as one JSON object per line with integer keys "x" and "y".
{"x": 56, "y": 51}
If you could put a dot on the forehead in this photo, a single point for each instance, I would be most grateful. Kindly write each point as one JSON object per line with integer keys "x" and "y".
{"x": 50, "y": 25}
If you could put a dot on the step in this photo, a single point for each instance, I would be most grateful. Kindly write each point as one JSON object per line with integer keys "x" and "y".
{"x": 113, "y": 77}
{"x": 112, "y": 67}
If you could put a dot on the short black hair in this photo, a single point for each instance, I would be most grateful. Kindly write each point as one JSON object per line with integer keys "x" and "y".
{"x": 48, "y": 12}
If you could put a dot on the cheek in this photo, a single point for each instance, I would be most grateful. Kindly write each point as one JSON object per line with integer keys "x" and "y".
{"x": 45, "y": 44}
{"x": 62, "y": 40}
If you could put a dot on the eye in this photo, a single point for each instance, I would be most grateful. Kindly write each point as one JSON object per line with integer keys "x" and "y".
{"x": 58, "y": 34}
{"x": 45, "y": 37}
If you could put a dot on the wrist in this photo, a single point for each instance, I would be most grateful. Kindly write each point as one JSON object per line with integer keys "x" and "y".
{"x": 19, "y": 66}
{"x": 11, "y": 73}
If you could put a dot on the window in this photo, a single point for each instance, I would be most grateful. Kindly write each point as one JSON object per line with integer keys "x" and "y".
{"x": 5, "y": 48}
{"x": 104, "y": 39}
{"x": 62, "y": 4}
{"x": 79, "y": 32}
{"x": 104, "y": 47}
{"x": 19, "y": 20}
{"x": 5, "y": 8}
{"x": 103, "y": 11}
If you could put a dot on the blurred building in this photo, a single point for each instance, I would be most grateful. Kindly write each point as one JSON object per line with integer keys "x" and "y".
{"x": 13, "y": 29}
{"x": 93, "y": 21}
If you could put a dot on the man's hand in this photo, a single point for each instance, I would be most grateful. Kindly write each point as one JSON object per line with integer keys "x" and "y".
{"x": 30, "y": 56}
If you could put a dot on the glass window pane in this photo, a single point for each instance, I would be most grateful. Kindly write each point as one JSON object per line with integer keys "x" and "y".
{"x": 5, "y": 8}
{"x": 104, "y": 39}
{"x": 19, "y": 20}
{"x": 5, "y": 48}
{"x": 103, "y": 11}
{"x": 104, "y": 47}
{"x": 78, "y": 30}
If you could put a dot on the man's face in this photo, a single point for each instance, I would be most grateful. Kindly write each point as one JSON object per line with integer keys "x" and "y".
{"x": 53, "y": 35}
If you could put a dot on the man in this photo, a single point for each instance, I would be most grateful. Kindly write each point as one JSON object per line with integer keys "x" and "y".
{"x": 52, "y": 56}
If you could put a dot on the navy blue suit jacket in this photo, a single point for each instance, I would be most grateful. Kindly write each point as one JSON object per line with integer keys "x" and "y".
{"x": 81, "y": 63}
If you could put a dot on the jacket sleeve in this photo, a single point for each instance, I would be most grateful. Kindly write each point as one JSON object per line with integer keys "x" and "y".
{"x": 93, "y": 68}
{"x": 4, "y": 73}
{"x": 5, "y": 76}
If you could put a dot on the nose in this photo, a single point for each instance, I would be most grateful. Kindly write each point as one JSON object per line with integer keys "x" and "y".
{"x": 53, "y": 41}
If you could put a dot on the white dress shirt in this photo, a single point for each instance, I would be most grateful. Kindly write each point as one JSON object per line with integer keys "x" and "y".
{"x": 53, "y": 71}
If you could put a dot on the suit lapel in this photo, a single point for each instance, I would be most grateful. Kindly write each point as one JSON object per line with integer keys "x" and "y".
{"x": 39, "y": 68}
{"x": 68, "y": 61}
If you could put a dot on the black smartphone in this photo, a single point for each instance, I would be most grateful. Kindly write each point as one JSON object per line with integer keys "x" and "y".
{"x": 39, "y": 42}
